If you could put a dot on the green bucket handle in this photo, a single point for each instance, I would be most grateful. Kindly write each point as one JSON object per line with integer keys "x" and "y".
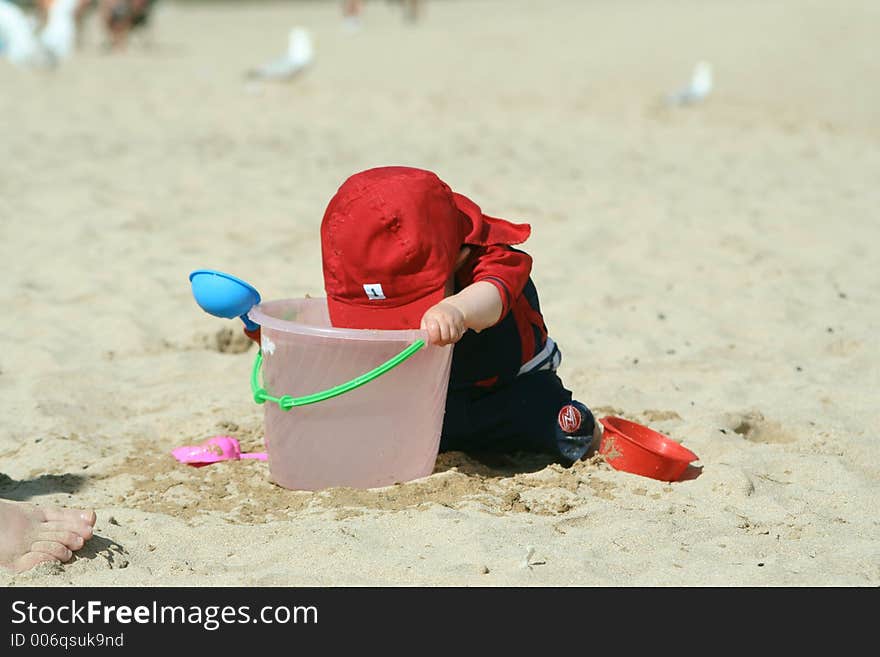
{"x": 286, "y": 402}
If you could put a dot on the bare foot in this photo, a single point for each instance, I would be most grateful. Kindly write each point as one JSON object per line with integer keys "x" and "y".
{"x": 30, "y": 534}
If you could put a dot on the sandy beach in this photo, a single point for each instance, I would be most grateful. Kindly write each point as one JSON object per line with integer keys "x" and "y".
{"x": 707, "y": 270}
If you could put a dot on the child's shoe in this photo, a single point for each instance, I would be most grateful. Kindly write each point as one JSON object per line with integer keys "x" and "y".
{"x": 576, "y": 430}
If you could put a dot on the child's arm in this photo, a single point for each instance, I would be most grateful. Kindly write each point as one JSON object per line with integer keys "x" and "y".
{"x": 498, "y": 274}
{"x": 476, "y": 307}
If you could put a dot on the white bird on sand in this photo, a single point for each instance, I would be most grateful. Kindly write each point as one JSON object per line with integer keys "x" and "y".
{"x": 18, "y": 43}
{"x": 59, "y": 35}
{"x": 699, "y": 88}
{"x": 299, "y": 55}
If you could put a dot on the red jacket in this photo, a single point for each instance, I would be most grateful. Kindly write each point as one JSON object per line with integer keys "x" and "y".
{"x": 518, "y": 343}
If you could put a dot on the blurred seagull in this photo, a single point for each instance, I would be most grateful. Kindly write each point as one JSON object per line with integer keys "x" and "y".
{"x": 300, "y": 54}
{"x": 699, "y": 88}
{"x": 18, "y": 43}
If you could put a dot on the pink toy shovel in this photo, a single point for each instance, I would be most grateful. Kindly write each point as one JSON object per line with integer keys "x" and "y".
{"x": 214, "y": 450}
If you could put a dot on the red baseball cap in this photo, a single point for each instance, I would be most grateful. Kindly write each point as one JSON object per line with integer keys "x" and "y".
{"x": 390, "y": 238}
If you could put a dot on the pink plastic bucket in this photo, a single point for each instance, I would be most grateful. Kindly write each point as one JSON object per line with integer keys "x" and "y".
{"x": 384, "y": 432}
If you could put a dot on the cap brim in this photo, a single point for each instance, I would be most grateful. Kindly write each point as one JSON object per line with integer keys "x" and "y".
{"x": 388, "y": 318}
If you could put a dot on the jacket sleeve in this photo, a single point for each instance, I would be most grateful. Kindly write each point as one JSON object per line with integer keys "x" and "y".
{"x": 506, "y": 268}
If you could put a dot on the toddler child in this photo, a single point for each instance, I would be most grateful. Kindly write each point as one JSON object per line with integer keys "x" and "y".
{"x": 401, "y": 250}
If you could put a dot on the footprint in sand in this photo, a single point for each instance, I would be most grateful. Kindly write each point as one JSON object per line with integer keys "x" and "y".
{"x": 754, "y": 427}
{"x": 227, "y": 341}
{"x": 732, "y": 480}
{"x": 651, "y": 415}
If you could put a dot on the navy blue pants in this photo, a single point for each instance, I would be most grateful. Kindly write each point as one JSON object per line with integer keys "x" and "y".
{"x": 518, "y": 417}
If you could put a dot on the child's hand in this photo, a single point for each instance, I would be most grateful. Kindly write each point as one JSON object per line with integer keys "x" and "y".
{"x": 478, "y": 306}
{"x": 444, "y": 322}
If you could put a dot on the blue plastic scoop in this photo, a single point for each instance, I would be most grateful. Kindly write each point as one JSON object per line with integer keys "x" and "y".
{"x": 224, "y": 295}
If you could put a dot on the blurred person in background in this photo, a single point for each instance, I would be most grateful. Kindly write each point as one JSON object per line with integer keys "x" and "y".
{"x": 352, "y": 10}
{"x": 19, "y": 42}
{"x": 81, "y": 11}
{"x": 122, "y": 17}
{"x": 60, "y": 23}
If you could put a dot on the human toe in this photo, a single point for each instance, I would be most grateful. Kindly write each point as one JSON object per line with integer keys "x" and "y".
{"x": 31, "y": 559}
{"x": 69, "y": 539}
{"x": 77, "y": 516}
{"x": 70, "y": 525}
{"x": 53, "y": 548}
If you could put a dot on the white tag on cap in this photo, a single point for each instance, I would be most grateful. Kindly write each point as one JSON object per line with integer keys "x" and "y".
{"x": 374, "y": 291}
